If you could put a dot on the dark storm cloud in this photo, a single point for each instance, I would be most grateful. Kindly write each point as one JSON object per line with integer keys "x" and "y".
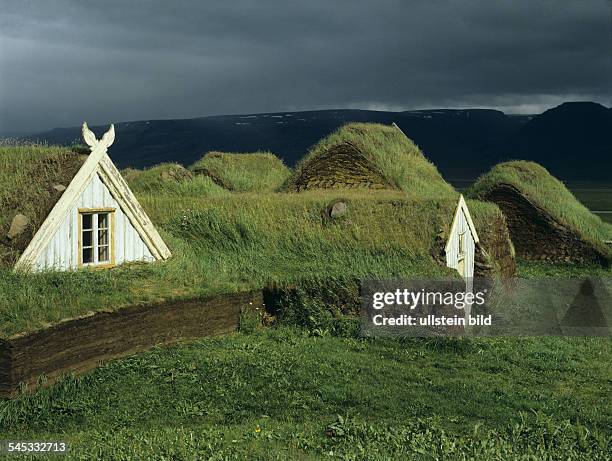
{"x": 65, "y": 61}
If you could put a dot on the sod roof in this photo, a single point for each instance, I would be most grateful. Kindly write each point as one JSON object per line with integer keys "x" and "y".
{"x": 28, "y": 176}
{"x": 548, "y": 193}
{"x": 373, "y": 156}
{"x": 250, "y": 172}
{"x": 170, "y": 179}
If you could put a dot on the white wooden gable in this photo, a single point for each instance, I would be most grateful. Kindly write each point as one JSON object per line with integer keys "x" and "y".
{"x": 97, "y": 184}
{"x": 461, "y": 245}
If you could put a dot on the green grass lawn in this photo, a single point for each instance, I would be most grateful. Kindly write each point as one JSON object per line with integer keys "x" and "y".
{"x": 281, "y": 393}
{"x": 301, "y": 392}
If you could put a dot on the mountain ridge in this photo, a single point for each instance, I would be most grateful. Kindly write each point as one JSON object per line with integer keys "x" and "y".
{"x": 463, "y": 143}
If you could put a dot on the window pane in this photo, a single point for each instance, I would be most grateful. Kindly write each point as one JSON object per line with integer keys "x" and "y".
{"x": 103, "y": 237}
{"x": 103, "y": 254}
{"x": 87, "y": 221}
{"x": 102, "y": 220}
{"x": 87, "y": 255}
{"x": 87, "y": 235}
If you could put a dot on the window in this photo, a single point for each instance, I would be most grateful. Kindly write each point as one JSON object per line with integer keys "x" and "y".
{"x": 95, "y": 244}
{"x": 462, "y": 243}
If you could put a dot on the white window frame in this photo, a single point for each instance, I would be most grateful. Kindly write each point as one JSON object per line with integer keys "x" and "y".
{"x": 95, "y": 245}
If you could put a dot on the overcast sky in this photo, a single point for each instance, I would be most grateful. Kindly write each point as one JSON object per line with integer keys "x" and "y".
{"x": 64, "y": 61}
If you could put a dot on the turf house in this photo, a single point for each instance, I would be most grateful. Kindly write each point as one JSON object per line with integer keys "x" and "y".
{"x": 545, "y": 220}
{"x": 63, "y": 210}
{"x": 371, "y": 156}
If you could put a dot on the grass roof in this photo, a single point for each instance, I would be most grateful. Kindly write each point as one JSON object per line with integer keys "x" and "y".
{"x": 548, "y": 193}
{"x": 28, "y": 174}
{"x": 251, "y": 172}
{"x": 369, "y": 155}
{"x": 224, "y": 244}
{"x": 170, "y": 179}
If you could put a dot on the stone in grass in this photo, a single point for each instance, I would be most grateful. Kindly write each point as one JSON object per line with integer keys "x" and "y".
{"x": 59, "y": 187}
{"x": 338, "y": 209}
{"x": 18, "y": 225}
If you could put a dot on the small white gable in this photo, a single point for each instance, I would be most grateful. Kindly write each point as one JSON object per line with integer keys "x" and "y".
{"x": 67, "y": 247}
{"x": 461, "y": 245}
{"x": 97, "y": 222}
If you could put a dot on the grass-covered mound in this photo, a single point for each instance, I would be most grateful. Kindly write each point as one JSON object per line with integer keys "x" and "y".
{"x": 368, "y": 155}
{"x": 32, "y": 179}
{"x": 170, "y": 179}
{"x": 236, "y": 242}
{"x": 545, "y": 220}
{"x": 252, "y": 172}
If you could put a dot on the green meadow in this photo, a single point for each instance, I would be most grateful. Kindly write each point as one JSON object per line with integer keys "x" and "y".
{"x": 292, "y": 393}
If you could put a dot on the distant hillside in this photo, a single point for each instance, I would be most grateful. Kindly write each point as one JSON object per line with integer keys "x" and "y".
{"x": 462, "y": 143}
{"x": 573, "y": 140}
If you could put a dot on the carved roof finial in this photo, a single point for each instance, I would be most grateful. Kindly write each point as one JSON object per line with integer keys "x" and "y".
{"x": 90, "y": 138}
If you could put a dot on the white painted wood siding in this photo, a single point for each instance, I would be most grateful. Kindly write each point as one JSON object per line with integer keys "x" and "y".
{"x": 452, "y": 250}
{"x": 61, "y": 253}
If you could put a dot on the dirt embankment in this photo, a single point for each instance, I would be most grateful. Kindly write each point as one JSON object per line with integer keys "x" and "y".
{"x": 80, "y": 344}
{"x": 536, "y": 235}
{"x": 495, "y": 254}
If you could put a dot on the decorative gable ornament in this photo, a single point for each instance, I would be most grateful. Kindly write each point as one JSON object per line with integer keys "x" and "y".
{"x": 96, "y": 222}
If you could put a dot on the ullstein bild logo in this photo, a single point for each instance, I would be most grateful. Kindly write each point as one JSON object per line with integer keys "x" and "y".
{"x": 485, "y": 307}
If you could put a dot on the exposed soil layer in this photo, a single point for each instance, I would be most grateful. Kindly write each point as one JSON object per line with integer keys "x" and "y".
{"x": 80, "y": 344}
{"x": 536, "y": 235}
{"x": 495, "y": 254}
{"x": 342, "y": 166}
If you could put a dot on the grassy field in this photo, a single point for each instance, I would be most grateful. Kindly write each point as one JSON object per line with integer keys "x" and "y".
{"x": 283, "y": 393}
{"x": 299, "y": 390}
